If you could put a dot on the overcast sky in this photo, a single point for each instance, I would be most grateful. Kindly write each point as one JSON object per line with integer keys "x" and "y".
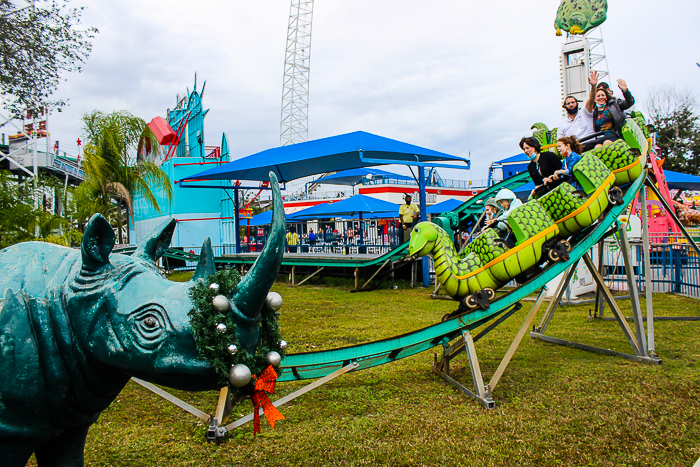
{"x": 464, "y": 77}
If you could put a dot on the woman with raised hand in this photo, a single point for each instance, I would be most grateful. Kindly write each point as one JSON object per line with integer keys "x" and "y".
{"x": 608, "y": 114}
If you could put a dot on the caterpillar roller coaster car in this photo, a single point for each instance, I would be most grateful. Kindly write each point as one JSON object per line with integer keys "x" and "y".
{"x": 542, "y": 227}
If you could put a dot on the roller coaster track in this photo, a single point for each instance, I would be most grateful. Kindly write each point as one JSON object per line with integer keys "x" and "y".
{"x": 310, "y": 365}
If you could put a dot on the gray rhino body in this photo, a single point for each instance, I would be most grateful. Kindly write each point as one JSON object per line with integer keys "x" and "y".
{"x": 75, "y": 326}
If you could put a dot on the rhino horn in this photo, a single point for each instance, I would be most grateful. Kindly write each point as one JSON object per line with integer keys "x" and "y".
{"x": 206, "y": 265}
{"x": 253, "y": 288}
{"x": 155, "y": 243}
{"x": 97, "y": 243}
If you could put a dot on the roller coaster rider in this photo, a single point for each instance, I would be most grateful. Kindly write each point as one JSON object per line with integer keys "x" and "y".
{"x": 579, "y": 122}
{"x": 541, "y": 167}
{"x": 570, "y": 150}
{"x": 508, "y": 201}
{"x": 608, "y": 114}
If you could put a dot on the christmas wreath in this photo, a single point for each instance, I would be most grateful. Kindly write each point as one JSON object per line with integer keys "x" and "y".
{"x": 216, "y": 339}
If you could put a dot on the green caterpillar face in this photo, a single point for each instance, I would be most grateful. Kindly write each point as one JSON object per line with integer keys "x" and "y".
{"x": 423, "y": 239}
{"x": 580, "y": 16}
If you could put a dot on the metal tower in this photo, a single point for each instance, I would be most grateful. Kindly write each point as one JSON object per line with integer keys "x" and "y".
{"x": 579, "y": 56}
{"x": 294, "y": 126}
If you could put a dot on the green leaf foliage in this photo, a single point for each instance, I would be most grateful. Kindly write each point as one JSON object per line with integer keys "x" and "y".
{"x": 39, "y": 40}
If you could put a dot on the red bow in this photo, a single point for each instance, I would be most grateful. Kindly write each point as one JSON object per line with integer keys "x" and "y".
{"x": 265, "y": 383}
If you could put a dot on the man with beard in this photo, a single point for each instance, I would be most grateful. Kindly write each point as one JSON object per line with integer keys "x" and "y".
{"x": 579, "y": 122}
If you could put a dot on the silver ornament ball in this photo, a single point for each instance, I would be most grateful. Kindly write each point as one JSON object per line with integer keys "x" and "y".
{"x": 220, "y": 302}
{"x": 239, "y": 375}
{"x": 221, "y": 328}
{"x": 283, "y": 344}
{"x": 232, "y": 349}
{"x": 274, "y": 301}
{"x": 273, "y": 358}
{"x": 214, "y": 286}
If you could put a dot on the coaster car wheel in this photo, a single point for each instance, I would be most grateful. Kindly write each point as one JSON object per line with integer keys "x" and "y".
{"x": 615, "y": 196}
{"x": 479, "y": 299}
{"x": 546, "y": 248}
{"x": 560, "y": 251}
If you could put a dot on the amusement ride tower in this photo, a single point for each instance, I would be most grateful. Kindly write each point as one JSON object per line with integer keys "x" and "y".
{"x": 580, "y": 55}
{"x": 294, "y": 126}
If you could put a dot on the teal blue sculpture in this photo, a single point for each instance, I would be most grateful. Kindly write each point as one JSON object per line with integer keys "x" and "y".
{"x": 76, "y": 325}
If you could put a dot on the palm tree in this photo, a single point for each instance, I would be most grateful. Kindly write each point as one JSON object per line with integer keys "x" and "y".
{"x": 113, "y": 170}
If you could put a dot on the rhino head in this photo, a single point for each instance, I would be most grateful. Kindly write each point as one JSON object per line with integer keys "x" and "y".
{"x": 132, "y": 321}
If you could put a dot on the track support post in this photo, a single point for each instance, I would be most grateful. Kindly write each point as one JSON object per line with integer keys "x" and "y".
{"x": 633, "y": 338}
{"x": 483, "y": 393}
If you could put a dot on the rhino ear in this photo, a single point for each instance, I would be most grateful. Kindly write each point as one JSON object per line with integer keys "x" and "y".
{"x": 97, "y": 243}
{"x": 206, "y": 265}
{"x": 155, "y": 243}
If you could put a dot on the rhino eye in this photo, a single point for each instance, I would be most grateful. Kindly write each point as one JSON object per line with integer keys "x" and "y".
{"x": 150, "y": 322}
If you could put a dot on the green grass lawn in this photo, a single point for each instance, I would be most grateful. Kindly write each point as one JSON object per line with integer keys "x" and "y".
{"x": 555, "y": 405}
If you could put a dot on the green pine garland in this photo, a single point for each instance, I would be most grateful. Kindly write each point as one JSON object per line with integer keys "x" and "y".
{"x": 213, "y": 345}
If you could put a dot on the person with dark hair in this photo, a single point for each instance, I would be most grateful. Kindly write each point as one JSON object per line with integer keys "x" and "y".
{"x": 408, "y": 217}
{"x": 608, "y": 114}
{"x": 569, "y": 149}
{"x": 491, "y": 211}
{"x": 541, "y": 167}
{"x": 579, "y": 122}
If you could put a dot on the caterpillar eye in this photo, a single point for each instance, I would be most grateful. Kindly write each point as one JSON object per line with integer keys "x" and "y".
{"x": 417, "y": 230}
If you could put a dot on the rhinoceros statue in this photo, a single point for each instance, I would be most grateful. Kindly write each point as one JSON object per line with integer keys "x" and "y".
{"x": 76, "y": 325}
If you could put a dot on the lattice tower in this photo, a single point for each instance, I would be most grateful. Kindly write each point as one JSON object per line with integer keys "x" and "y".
{"x": 295, "y": 87}
{"x": 580, "y": 55}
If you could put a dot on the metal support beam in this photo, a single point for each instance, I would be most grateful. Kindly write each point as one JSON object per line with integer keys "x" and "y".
{"x": 502, "y": 318}
{"x": 554, "y": 304}
{"x": 516, "y": 342}
{"x": 631, "y": 339}
{"x": 634, "y": 293}
{"x": 672, "y": 213}
{"x": 220, "y": 413}
{"x": 590, "y": 348}
{"x": 170, "y": 398}
{"x": 599, "y": 302}
{"x": 236, "y": 221}
{"x": 283, "y": 400}
{"x": 651, "y": 345}
{"x": 310, "y": 276}
{"x": 375, "y": 274}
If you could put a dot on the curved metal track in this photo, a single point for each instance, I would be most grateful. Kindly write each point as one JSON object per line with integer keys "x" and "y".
{"x": 318, "y": 364}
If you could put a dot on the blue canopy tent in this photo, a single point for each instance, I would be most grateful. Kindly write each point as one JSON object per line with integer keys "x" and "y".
{"x": 357, "y": 205}
{"x": 681, "y": 181}
{"x": 349, "y": 151}
{"x": 342, "y": 152}
{"x": 355, "y": 176}
{"x": 264, "y": 218}
{"x": 445, "y": 206}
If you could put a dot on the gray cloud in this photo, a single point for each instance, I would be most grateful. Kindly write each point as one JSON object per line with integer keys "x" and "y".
{"x": 455, "y": 76}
